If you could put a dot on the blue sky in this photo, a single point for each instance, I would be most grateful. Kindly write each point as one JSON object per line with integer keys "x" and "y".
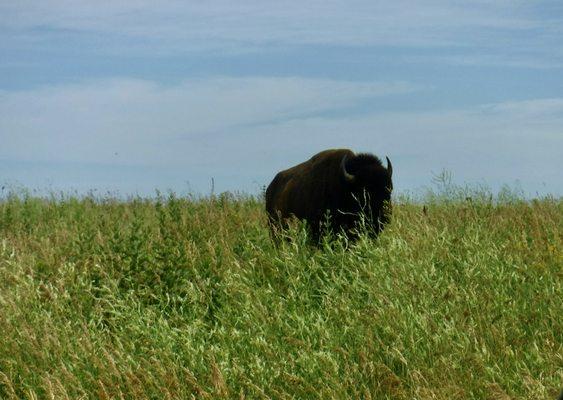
{"x": 134, "y": 96}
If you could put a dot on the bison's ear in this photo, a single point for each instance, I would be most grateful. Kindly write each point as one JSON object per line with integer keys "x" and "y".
{"x": 347, "y": 176}
{"x": 389, "y": 167}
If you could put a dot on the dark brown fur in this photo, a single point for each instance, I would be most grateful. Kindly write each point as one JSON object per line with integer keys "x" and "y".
{"x": 316, "y": 191}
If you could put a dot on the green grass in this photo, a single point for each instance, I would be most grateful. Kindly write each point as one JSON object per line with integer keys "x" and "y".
{"x": 188, "y": 298}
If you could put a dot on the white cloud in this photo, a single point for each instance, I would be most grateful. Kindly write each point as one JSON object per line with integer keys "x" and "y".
{"x": 143, "y": 121}
{"x": 248, "y": 128}
{"x": 539, "y": 108}
{"x": 493, "y": 143}
{"x": 177, "y": 26}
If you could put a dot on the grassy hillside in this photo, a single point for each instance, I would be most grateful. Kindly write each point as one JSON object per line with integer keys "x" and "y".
{"x": 180, "y": 298}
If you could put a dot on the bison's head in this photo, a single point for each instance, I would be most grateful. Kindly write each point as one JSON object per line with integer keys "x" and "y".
{"x": 368, "y": 185}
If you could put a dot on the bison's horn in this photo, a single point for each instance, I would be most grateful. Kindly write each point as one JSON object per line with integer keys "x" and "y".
{"x": 389, "y": 166}
{"x": 349, "y": 177}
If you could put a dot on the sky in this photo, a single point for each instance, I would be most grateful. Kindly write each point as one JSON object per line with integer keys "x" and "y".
{"x": 136, "y": 96}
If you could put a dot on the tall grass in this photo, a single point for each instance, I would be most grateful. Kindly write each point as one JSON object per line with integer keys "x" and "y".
{"x": 189, "y": 298}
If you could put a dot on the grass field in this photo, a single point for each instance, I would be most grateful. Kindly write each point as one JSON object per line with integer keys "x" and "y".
{"x": 178, "y": 298}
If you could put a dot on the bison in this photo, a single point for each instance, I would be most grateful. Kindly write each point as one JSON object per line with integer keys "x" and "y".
{"x": 333, "y": 191}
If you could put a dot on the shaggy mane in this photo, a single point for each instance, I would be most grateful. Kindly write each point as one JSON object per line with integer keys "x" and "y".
{"x": 361, "y": 160}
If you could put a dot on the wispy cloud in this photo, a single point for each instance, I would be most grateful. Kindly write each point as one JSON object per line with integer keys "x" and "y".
{"x": 170, "y": 27}
{"x": 144, "y": 121}
{"x": 245, "y": 129}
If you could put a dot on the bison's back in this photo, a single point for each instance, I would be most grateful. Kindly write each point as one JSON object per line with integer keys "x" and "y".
{"x": 306, "y": 189}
